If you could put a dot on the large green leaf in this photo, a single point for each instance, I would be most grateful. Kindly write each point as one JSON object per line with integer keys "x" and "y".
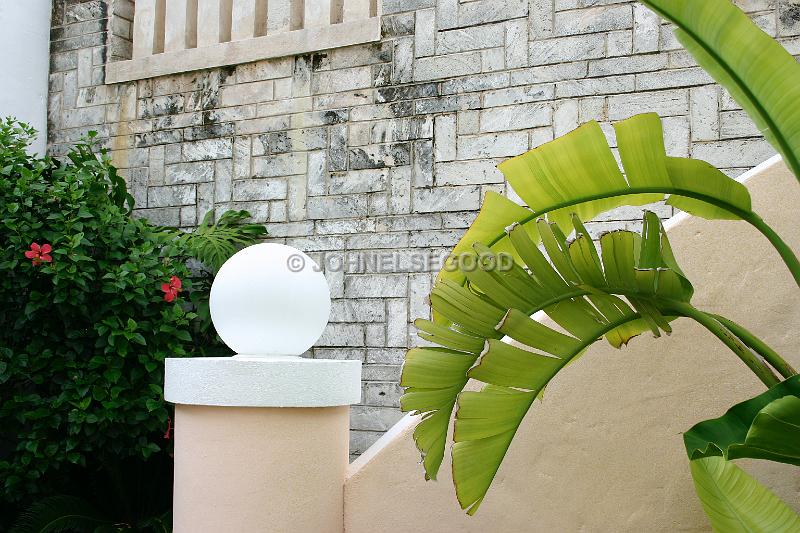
{"x": 212, "y": 243}
{"x": 632, "y": 285}
{"x": 757, "y": 71}
{"x": 574, "y": 286}
{"x": 735, "y": 502}
{"x": 764, "y": 427}
{"x": 577, "y": 174}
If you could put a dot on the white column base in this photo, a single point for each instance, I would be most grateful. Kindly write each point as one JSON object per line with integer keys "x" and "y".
{"x": 262, "y": 382}
{"x": 261, "y": 444}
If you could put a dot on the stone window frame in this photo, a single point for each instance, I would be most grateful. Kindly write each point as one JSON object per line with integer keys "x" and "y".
{"x": 129, "y": 63}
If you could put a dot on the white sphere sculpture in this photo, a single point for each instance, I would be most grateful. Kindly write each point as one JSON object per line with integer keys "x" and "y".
{"x": 270, "y": 300}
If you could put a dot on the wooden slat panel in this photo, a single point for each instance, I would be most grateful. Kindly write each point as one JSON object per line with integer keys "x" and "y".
{"x": 181, "y": 25}
{"x": 317, "y": 13}
{"x": 243, "y": 20}
{"x": 284, "y": 15}
{"x": 357, "y": 10}
{"x": 249, "y": 19}
{"x": 208, "y": 22}
{"x": 213, "y": 22}
{"x": 144, "y": 27}
{"x": 234, "y": 53}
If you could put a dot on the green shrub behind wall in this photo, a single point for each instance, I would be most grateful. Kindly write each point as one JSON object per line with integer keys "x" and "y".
{"x": 85, "y": 328}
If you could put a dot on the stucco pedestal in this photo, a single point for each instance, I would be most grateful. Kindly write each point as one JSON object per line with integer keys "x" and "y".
{"x": 260, "y": 445}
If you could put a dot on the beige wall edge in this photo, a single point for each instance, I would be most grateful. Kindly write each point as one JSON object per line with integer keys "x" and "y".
{"x": 603, "y": 450}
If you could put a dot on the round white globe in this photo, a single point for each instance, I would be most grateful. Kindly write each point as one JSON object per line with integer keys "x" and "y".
{"x": 270, "y": 300}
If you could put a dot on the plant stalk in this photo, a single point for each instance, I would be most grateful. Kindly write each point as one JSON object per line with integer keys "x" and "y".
{"x": 754, "y": 362}
{"x": 783, "y": 249}
{"x": 759, "y": 346}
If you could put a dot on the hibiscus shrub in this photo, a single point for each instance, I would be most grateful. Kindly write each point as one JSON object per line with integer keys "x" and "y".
{"x": 91, "y": 302}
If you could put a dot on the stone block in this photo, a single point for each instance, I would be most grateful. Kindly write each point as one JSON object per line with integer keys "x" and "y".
{"x": 736, "y": 124}
{"x": 628, "y": 65}
{"x": 380, "y": 156}
{"x": 423, "y": 163}
{"x": 665, "y": 103}
{"x": 403, "y": 64}
{"x": 259, "y": 189}
{"x": 468, "y": 172}
{"x": 486, "y": 11}
{"x": 447, "y": 66}
{"x": 376, "y": 286}
{"x": 300, "y": 140}
{"x": 470, "y": 38}
{"x": 168, "y": 196}
{"x": 382, "y": 393}
{"x": 594, "y": 86}
{"x": 492, "y": 145}
{"x": 341, "y": 80}
{"x": 705, "y": 117}
{"x": 448, "y": 104}
{"x": 686, "y": 77}
{"x": 280, "y": 165}
{"x": 519, "y": 95}
{"x": 386, "y": 356}
{"x": 207, "y": 150}
{"x": 517, "y": 117}
{"x": 358, "y": 181}
{"x": 593, "y": 20}
{"x": 446, "y": 198}
{"x": 376, "y": 418}
{"x": 564, "y": 49}
{"x": 734, "y": 153}
{"x": 425, "y": 33}
{"x": 646, "y": 29}
{"x": 342, "y": 335}
{"x": 189, "y": 172}
{"x": 323, "y": 207}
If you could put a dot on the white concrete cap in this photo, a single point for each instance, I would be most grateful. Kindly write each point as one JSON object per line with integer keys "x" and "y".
{"x": 279, "y": 382}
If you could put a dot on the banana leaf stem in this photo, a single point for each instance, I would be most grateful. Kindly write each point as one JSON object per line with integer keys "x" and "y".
{"x": 783, "y": 249}
{"x": 753, "y": 361}
{"x": 759, "y": 346}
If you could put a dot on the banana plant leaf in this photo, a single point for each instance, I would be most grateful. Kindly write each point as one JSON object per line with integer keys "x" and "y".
{"x": 735, "y": 502}
{"x": 758, "y": 72}
{"x": 577, "y": 287}
{"x": 212, "y": 243}
{"x": 578, "y": 174}
{"x": 764, "y": 427}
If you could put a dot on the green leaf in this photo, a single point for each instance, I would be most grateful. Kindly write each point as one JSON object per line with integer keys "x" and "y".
{"x": 56, "y": 514}
{"x": 735, "y": 502}
{"x": 575, "y": 286}
{"x": 758, "y": 72}
{"x": 212, "y": 243}
{"x": 577, "y": 174}
{"x": 632, "y": 285}
{"x": 764, "y": 427}
{"x": 434, "y": 376}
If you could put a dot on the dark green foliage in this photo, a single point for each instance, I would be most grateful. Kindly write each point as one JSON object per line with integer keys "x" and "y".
{"x": 84, "y": 335}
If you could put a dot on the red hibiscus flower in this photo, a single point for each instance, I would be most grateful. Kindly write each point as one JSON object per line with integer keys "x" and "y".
{"x": 172, "y": 288}
{"x": 39, "y": 254}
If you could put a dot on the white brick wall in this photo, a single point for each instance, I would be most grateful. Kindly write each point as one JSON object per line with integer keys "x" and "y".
{"x": 388, "y": 148}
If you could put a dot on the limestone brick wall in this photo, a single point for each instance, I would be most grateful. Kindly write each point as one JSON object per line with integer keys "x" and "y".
{"x": 374, "y": 158}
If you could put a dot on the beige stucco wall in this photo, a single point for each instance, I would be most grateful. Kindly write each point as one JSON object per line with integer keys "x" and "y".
{"x": 603, "y": 450}
{"x": 248, "y": 470}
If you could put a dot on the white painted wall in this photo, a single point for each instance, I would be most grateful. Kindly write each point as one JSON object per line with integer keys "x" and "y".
{"x": 24, "y": 63}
